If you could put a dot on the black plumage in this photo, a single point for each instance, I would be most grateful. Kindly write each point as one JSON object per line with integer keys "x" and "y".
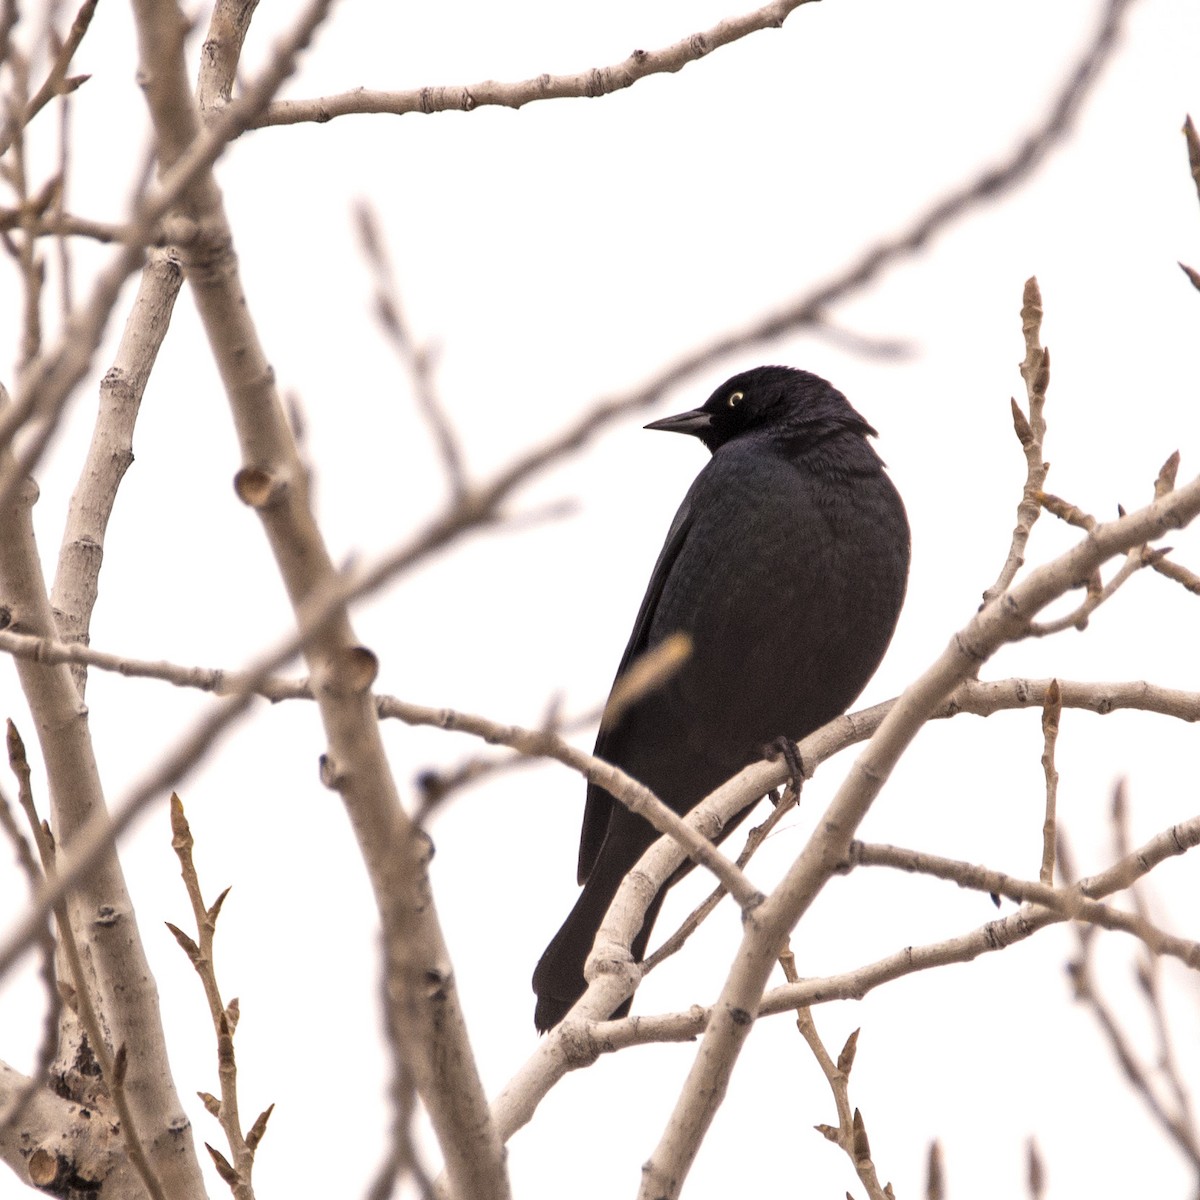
{"x": 786, "y": 567}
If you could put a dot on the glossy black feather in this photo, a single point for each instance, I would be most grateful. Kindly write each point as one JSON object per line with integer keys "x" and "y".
{"x": 786, "y": 566}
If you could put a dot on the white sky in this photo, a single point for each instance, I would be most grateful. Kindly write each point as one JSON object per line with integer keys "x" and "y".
{"x": 560, "y": 253}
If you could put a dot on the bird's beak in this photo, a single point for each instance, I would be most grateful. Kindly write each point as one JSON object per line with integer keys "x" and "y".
{"x": 696, "y": 422}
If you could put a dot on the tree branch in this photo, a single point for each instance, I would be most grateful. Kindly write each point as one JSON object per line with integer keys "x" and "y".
{"x": 112, "y": 970}
{"x": 1004, "y": 620}
{"x": 424, "y": 1018}
{"x": 581, "y": 1043}
{"x": 598, "y": 81}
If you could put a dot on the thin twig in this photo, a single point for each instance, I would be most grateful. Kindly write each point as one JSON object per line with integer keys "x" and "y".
{"x": 754, "y": 839}
{"x": 1051, "y": 715}
{"x": 850, "y": 1134}
{"x": 59, "y": 224}
{"x": 1035, "y": 1172}
{"x": 402, "y": 1158}
{"x": 224, "y": 1016}
{"x": 1068, "y": 901}
{"x": 1097, "y": 592}
{"x": 1193, "y": 152}
{"x": 1149, "y": 973}
{"x": 24, "y": 247}
{"x": 56, "y": 82}
{"x": 935, "y": 1182}
{"x": 49, "y": 1039}
{"x": 598, "y": 81}
{"x": 9, "y": 16}
{"x": 1086, "y": 991}
{"x": 1067, "y": 512}
{"x": 1031, "y": 433}
{"x": 994, "y": 936}
{"x": 1137, "y": 558}
{"x": 1180, "y": 574}
{"x": 419, "y": 359}
{"x": 66, "y": 285}
{"x": 975, "y": 696}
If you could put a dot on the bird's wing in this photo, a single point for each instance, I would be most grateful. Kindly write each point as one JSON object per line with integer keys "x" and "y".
{"x": 599, "y": 803}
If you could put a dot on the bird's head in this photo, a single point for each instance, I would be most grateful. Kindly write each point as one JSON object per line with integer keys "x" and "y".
{"x": 780, "y": 402}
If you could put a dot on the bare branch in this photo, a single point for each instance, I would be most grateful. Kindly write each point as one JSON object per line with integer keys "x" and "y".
{"x": 402, "y": 1158}
{"x": 576, "y": 1044}
{"x": 978, "y": 697}
{"x": 754, "y": 839}
{"x": 1097, "y": 593}
{"x": 56, "y": 83}
{"x": 112, "y": 1066}
{"x": 59, "y": 206}
{"x": 635, "y": 796}
{"x": 115, "y": 978}
{"x": 424, "y": 1017}
{"x": 1064, "y": 900}
{"x": 36, "y": 1150}
{"x": 58, "y": 224}
{"x": 1087, "y": 992}
{"x": 1035, "y": 1172}
{"x": 1180, "y": 574}
{"x": 1051, "y": 714}
{"x": 1193, "y": 149}
{"x": 984, "y": 697}
{"x": 1031, "y": 433}
{"x": 201, "y": 955}
{"x": 935, "y": 1184}
{"x": 222, "y": 51}
{"x": 77, "y": 579}
{"x": 1148, "y": 973}
{"x": 850, "y": 1135}
{"x": 420, "y": 360}
{"x": 598, "y": 81}
{"x": 101, "y": 831}
{"x": 1065, "y": 511}
{"x": 1179, "y": 1125}
{"x": 49, "y": 1039}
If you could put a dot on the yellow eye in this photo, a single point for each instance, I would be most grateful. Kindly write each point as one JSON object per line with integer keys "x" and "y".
{"x": 734, "y": 397}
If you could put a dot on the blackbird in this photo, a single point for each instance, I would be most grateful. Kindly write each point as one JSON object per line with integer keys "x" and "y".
{"x": 785, "y": 567}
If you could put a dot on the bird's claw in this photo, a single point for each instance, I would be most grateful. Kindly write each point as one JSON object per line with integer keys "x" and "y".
{"x": 785, "y": 748}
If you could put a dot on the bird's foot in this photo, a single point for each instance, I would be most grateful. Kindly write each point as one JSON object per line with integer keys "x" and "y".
{"x": 786, "y": 749}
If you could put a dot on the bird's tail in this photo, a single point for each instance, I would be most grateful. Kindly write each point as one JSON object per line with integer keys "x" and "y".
{"x": 558, "y": 978}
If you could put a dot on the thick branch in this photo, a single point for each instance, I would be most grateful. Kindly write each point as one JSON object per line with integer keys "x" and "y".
{"x": 113, "y": 967}
{"x": 55, "y": 1140}
{"x": 424, "y": 1016}
{"x": 77, "y": 580}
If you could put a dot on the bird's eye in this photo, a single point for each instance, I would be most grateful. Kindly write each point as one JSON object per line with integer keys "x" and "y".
{"x": 734, "y": 399}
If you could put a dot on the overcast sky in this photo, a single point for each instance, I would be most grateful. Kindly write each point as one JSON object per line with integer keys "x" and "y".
{"x": 561, "y": 253}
